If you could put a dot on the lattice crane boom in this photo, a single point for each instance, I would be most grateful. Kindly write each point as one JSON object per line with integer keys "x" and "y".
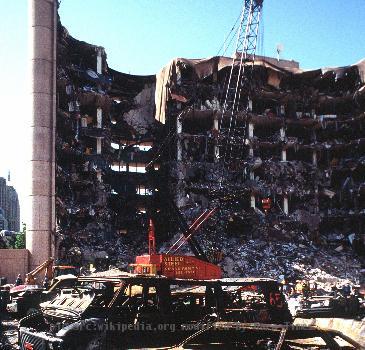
{"x": 239, "y": 86}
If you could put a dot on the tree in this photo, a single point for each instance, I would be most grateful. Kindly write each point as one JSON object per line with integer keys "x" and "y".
{"x": 20, "y": 238}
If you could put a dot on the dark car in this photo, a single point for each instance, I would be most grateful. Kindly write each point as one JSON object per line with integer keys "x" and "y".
{"x": 233, "y": 335}
{"x": 25, "y": 299}
{"x": 132, "y": 311}
{"x": 335, "y": 305}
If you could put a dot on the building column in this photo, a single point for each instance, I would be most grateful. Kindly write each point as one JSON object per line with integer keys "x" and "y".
{"x": 253, "y": 201}
{"x": 286, "y": 205}
{"x": 40, "y": 240}
{"x": 250, "y": 136}
{"x": 283, "y": 150}
{"x": 179, "y": 157}
{"x": 216, "y": 127}
{"x": 314, "y": 158}
{"x": 99, "y": 111}
{"x": 99, "y": 118}
{"x": 283, "y": 155}
{"x": 179, "y": 128}
{"x": 99, "y": 61}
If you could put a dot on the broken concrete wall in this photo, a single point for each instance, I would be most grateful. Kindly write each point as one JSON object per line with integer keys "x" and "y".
{"x": 302, "y": 146}
{"x": 104, "y": 123}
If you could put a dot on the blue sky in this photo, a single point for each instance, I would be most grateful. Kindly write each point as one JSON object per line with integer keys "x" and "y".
{"x": 141, "y": 36}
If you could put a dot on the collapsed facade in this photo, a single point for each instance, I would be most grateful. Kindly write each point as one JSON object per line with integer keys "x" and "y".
{"x": 133, "y": 147}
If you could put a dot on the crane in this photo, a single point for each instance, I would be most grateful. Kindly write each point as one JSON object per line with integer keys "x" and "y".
{"x": 178, "y": 266}
{"x": 50, "y": 271}
{"x": 237, "y": 100}
{"x": 232, "y": 138}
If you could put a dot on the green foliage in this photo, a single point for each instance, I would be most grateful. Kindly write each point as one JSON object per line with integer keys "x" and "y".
{"x": 20, "y": 239}
{"x": 24, "y": 229}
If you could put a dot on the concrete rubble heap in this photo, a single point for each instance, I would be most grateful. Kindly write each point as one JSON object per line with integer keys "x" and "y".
{"x": 303, "y": 145}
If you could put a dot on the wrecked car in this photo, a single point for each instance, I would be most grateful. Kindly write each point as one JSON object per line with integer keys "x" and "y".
{"x": 254, "y": 300}
{"x": 137, "y": 310}
{"x": 330, "y": 306}
{"x": 25, "y": 299}
{"x": 233, "y": 335}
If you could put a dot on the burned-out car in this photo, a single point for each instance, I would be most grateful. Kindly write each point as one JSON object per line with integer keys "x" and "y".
{"x": 234, "y": 335}
{"x": 25, "y": 299}
{"x": 138, "y": 310}
{"x": 335, "y": 305}
{"x": 254, "y": 300}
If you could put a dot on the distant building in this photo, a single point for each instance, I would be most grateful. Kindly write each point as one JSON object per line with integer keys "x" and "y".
{"x": 3, "y": 221}
{"x": 9, "y": 204}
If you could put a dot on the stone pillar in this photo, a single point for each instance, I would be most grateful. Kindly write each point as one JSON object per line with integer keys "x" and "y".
{"x": 40, "y": 238}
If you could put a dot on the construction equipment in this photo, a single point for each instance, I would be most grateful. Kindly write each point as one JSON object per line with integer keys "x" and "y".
{"x": 51, "y": 271}
{"x": 238, "y": 96}
{"x": 237, "y": 101}
{"x": 178, "y": 266}
{"x": 27, "y": 296}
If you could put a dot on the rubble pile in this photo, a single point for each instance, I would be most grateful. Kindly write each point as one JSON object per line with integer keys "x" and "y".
{"x": 291, "y": 259}
{"x": 130, "y": 148}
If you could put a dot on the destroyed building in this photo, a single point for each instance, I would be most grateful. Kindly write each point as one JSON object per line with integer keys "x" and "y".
{"x": 303, "y": 142}
{"x": 104, "y": 134}
{"x": 133, "y": 147}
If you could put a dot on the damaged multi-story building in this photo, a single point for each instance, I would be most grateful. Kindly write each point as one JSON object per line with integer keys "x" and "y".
{"x": 105, "y": 131}
{"x": 130, "y": 148}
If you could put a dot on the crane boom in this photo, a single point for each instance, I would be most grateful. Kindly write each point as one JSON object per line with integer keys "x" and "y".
{"x": 239, "y": 88}
{"x": 187, "y": 235}
{"x": 231, "y": 146}
{"x": 46, "y": 265}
